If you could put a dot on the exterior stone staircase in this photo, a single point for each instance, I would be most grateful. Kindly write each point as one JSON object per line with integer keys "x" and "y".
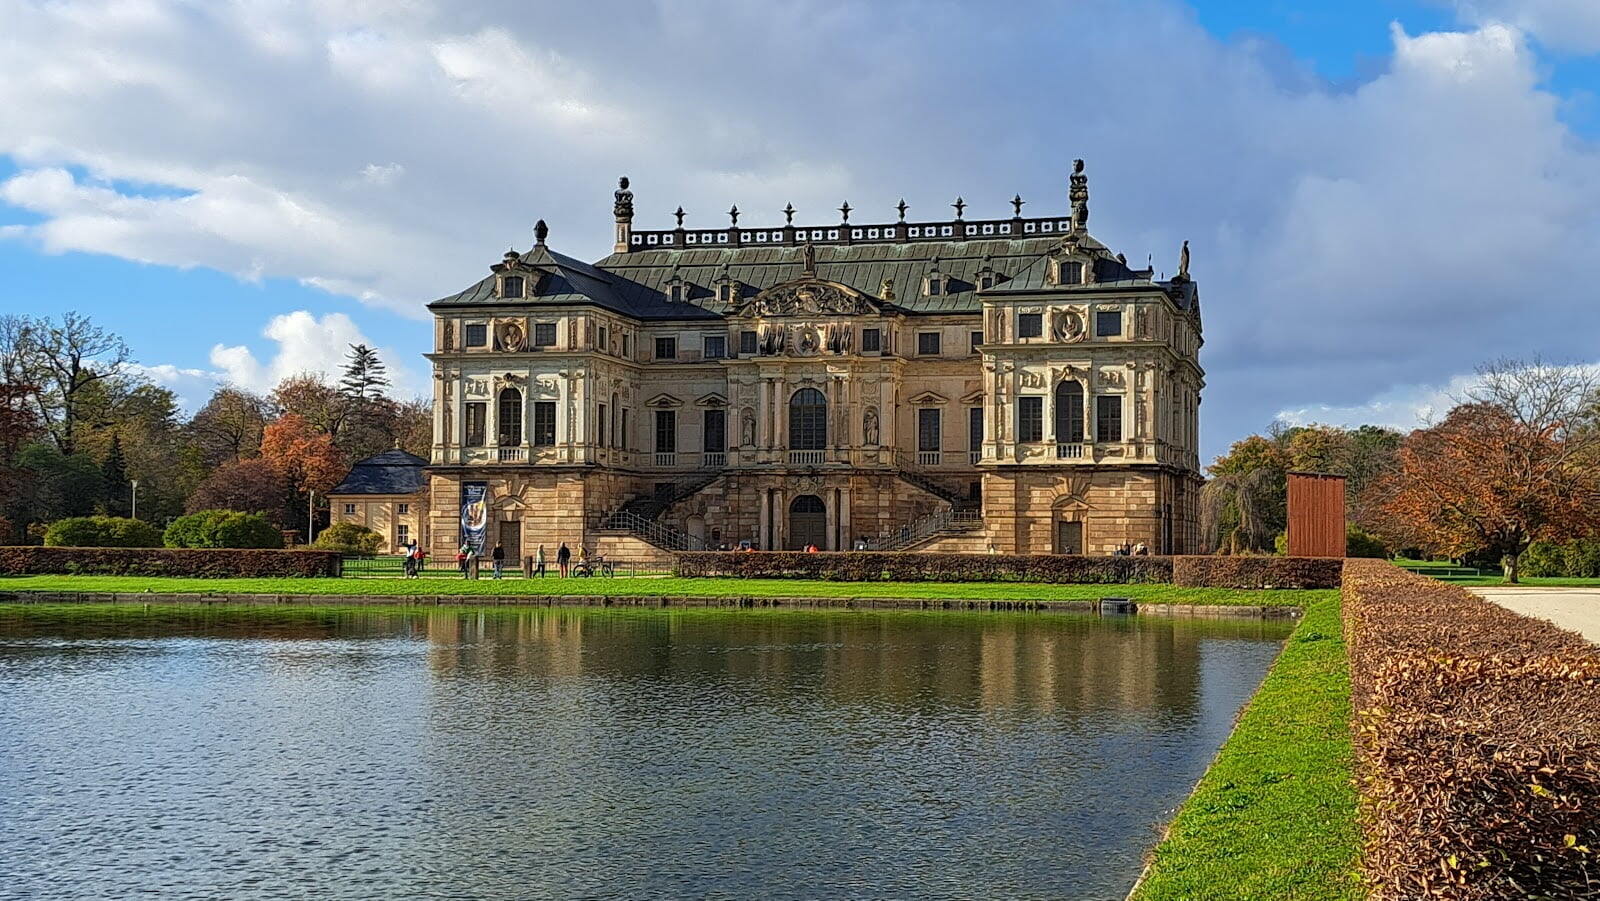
{"x": 638, "y": 516}
{"x": 936, "y": 525}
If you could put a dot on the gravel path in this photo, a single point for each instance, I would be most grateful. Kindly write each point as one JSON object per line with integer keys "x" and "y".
{"x": 1577, "y": 609}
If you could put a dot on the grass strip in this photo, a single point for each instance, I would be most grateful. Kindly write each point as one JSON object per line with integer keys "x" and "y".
{"x": 621, "y": 586}
{"x": 1275, "y": 816}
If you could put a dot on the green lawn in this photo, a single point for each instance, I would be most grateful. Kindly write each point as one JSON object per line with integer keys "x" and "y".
{"x": 656, "y": 587}
{"x": 1275, "y": 816}
{"x": 1428, "y": 567}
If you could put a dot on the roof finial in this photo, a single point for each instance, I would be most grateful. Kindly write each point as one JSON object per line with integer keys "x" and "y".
{"x": 623, "y": 207}
{"x": 540, "y": 232}
{"x": 844, "y": 210}
{"x": 902, "y": 207}
{"x": 1183, "y": 261}
{"x": 679, "y": 214}
{"x": 1079, "y": 195}
{"x": 959, "y": 205}
{"x": 1016, "y": 205}
{"x": 788, "y": 214}
{"x": 733, "y": 214}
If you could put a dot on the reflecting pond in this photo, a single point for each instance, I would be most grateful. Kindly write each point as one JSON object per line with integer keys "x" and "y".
{"x": 249, "y": 752}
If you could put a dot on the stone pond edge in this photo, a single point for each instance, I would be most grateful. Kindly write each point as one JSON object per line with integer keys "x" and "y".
{"x": 1246, "y": 611}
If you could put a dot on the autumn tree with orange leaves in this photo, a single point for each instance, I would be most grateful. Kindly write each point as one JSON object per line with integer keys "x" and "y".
{"x": 1518, "y": 461}
{"x": 303, "y": 456}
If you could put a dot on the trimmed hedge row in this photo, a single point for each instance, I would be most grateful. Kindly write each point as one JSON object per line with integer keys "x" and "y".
{"x": 1194, "y": 571}
{"x": 1477, "y": 739}
{"x": 204, "y": 563}
{"x": 869, "y": 566}
{"x": 857, "y": 566}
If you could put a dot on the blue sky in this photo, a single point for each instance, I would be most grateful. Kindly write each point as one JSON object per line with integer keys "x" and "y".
{"x": 1380, "y": 194}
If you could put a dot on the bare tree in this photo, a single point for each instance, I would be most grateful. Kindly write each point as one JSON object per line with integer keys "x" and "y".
{"x": 59, "y": 360}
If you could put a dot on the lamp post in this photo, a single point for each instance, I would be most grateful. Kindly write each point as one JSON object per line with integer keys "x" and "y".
{"x": 311, "y": 516}
{"x": 134, "y": 513}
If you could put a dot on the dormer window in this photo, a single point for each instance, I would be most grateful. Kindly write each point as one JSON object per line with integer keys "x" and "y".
{"x": 986, "y": 280}
{"x": 935, "y": 284}
{"x": 1069, "y": 272}
{"x": 511, "y": 286}
{"x": 675, "y": 293}
{"x": 728, "y": 292}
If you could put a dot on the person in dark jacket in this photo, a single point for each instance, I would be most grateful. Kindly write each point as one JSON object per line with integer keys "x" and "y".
{"x": 564, "y": 559}
{"x": 498, "y": 555}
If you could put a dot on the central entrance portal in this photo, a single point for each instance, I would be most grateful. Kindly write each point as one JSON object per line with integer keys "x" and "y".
{"x": 808, "y": 523}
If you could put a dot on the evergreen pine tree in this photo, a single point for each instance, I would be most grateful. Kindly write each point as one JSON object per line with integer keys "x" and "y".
{"x": 115, "y": 472}
{"x": 365, "y": 376}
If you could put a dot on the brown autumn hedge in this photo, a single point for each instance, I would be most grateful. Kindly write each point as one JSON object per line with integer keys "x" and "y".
{"x": 855, "y": 566}
{"x": 1195, "y": 571}
{"x": 872, "y": 566}
{"x": 204, "y": 563}
{"x": 1477, "y": 739}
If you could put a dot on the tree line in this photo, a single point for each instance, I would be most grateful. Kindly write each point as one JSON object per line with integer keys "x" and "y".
{"x": 80, "y": 423}
{"x": 1513, "y": 466}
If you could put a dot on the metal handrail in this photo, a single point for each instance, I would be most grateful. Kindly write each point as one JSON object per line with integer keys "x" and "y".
{"x": 921, "y": 528}
{"x": 653, "y": 532}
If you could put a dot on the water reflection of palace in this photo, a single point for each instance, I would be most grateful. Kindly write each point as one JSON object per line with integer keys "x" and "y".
{"x": 986, "y": 661}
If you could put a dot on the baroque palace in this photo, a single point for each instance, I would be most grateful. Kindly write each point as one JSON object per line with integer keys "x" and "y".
{"x": 957, "y": 384}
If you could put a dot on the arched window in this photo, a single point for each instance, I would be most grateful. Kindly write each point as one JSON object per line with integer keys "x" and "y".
{"x": 808, "y": 420}
{"x": 510, "y": 424}
{"x": 1069, "y": 412}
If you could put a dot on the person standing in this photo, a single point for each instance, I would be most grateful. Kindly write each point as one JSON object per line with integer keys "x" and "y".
{"x": 563, "y": 559}
{"x": 418, "y": 557}
{"x": 538, "y": 562}
{"x": 409, "y": 558}
{"x": 498, "y": 556}
{"x": 462, "y": 556}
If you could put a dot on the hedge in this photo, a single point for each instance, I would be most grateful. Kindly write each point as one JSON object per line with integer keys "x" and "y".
{"x": 205, "y": 563}
{"x": 348, "y": 538}
{"x": 102, "y": 531}
{"x": 222, "y": 529}
{"x": 1477, "y": 737}
{"x": 858, "y": 566}
{"x": 1194, "y": 571}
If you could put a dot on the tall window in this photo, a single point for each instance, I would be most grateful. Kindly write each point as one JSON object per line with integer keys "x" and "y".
{"x": 544, "y": 334}
{"x": 616, "y": 435}
{"x": 716, "y": 431}
{"x": 509, "y": 425}
{"x": 1030, "y": 418}
{"x": 478, "y": 335}
{"x": 512, "y": 286}
{"x": 1069, "y": 412}
{"x": 544, "y": 423}
{"x": 977, "y": 339}
{"x": 666, "y": 348}
{"x": 625, "y": 437}
{"x": 1071, "y": 273}
{"x": 928, "y": 429}
{"x": 871, "y": 340}
{"x": 402, "y": 533}
{"x": 747, "y": 344}
{"x": 666, "y": 431}
{"x": 600, "y": 425}
{"x": 808, "y": 420}
{"x": 474, "y": 424}
{"x": 716, "y": 347}
{"x": 627, "y": 345}
{"x": 928, "y": 344}
{"x": 1030, "y": 325}
{"x": 603, "y": 340}
{"x": 1108, "y": 417}
{"x": 975, "y": 429}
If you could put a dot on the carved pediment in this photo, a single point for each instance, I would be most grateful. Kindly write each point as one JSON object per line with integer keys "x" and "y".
{"x": 711, "y": 400}
{"x": 663, "y": 400}
{"x": 974, "y": 398}
{"x": 808, "y": 297}
{"x": 929, "y": 399}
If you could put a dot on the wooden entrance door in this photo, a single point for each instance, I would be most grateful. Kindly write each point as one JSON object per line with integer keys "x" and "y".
{"x": 808, "y": 523}
{"x": 1069, "y": 537}
{"x": 511, "y": 540}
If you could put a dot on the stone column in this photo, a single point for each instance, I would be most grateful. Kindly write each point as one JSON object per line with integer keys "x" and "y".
{"x": 765, "y": 536}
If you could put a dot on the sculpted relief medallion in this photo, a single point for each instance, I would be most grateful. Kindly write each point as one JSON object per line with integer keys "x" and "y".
{"x": 509, "y": 335}
{"x": 1066, "y": 326}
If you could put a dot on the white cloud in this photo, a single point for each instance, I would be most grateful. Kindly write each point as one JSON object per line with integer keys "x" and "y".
{"x": 1570, "y": 25}
{"x": 1346, "y": 239}
{"x": 305, "y": 344}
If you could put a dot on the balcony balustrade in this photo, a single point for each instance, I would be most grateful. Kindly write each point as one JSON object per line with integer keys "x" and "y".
{"x": 807, "y": 457}
{"x": 928, "y": 457}
{"x": 511, "y": 454}
{"x": 714, "y": 459}
{"x": 1069, "y": 451}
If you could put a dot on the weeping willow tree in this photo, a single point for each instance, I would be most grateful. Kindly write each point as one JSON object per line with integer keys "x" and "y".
{"x": 1237, "y": 511}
